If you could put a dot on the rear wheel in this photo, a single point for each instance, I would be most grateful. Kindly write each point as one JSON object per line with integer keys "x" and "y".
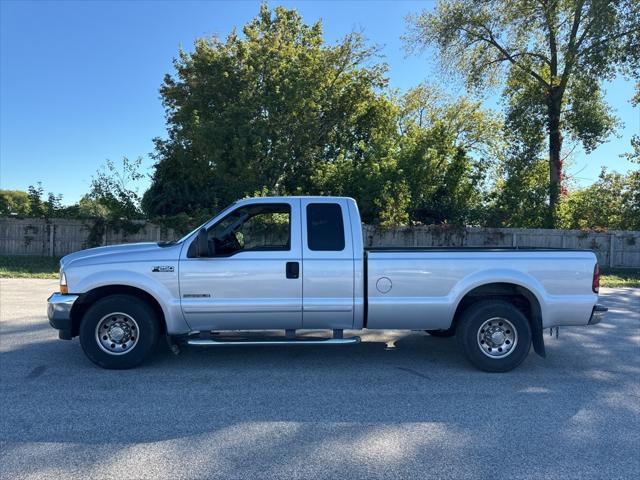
{"x": 494, "y": 335}
{"x": 119, "y": 331}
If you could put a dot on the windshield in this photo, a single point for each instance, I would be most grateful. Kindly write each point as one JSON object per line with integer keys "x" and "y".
{"x": 200, "y": 226}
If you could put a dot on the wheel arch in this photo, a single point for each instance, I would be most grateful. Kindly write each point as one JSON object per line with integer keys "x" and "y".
{"x": 89, "y": 298}
{"x": 516, "y": 294}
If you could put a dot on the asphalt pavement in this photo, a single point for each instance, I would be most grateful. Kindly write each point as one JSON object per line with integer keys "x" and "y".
{"x": 398, "y": 405}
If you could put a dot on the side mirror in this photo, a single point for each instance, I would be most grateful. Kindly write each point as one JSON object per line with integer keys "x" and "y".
{"x": 202, "y": 243}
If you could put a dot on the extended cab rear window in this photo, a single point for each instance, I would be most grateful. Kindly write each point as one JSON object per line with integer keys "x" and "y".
{"x": 325, "y": 229}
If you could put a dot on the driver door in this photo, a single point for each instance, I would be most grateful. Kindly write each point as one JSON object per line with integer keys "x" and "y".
{"x": 252, "y": 279}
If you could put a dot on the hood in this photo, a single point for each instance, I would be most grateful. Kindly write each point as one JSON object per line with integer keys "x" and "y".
{"x": 124, "y": 252}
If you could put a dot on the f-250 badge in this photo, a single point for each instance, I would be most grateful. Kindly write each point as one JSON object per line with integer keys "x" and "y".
{"x": 163, "y": 268}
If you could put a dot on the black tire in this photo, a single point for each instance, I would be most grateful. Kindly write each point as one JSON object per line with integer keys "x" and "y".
{"x": 147, "y": 326}
{"x": 469, "y": 332}
{"x": 442, "y": 333}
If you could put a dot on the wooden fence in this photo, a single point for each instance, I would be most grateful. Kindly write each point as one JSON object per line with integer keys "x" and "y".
{"x": 614, "y": 248}
{"x": 58, "y": 237}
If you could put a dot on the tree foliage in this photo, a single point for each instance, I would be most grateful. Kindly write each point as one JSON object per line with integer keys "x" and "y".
{"x": 278, "y": 111}
{"x": 555, "y": 55}
{"x": 634, "y": 155}
{"x": 265, "y": 109}
{"x": 519, "y": 196}
{"x": 14, "y": 202}
{"x": 613, "y": 202}
{"x": 448, "y": 151}
{"x": 470, "y": 126}
{"x": 114, "y": 193}
{"x": 423, "y": 173}
{"x": 45, "y": 208}
{"x": 273, "y": 109}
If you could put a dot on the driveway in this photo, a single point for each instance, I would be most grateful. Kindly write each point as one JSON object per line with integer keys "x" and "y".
{"x": 400, "y": 404}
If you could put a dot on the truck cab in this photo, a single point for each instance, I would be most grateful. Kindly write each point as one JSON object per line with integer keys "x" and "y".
{"x": 266, "y": 265}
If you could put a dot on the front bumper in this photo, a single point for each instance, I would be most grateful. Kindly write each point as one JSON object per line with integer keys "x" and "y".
{"x": 59, "y": 313}
{"x": 597, "y": 314}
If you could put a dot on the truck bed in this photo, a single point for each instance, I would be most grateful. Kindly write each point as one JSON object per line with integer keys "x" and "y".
{"x": 420, "y": 287}
{"x": 472, "y": 249}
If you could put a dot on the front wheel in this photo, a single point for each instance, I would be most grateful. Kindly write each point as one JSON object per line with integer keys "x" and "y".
{"x": 494, "y": 335}
{"x": 119, "y": 331}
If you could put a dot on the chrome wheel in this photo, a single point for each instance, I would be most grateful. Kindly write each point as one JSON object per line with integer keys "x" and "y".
{"x": 117, "y": 333}
{"x": 497, "y": 337}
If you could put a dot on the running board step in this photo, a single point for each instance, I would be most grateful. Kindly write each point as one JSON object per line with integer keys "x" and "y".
{"x": 207, "y": 342}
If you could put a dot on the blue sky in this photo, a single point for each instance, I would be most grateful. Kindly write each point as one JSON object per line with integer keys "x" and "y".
{"x": 79, "y": 80}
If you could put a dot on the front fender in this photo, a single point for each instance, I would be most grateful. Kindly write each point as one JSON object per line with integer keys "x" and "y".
{"x": 165, "y": 292}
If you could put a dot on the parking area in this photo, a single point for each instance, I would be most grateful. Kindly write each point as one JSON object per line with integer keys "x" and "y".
{"x": 399, "y": 404}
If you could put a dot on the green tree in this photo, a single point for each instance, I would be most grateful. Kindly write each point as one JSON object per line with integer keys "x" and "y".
{"x": 431, "y": 170}
{"x": 555, "y": 53}
{"x": 36, "y": 205}
{"x": 447, "y": 148}
{"x": 443, "y": 181}
{"x": 519, "y": 196}
{"x": 634, "y": 156}
{"x": 53, "y": 205}
{"x": 14, "y": 202}
{"x": 114, "y": 193}
{"x": 89, "y": 207}
{"x": 613, "y": 202}
{"x": 375, "y": 181}
{"x": 273, "y": 107}
{"x": 471, "y": 127}
{"x": 46, "y": 208}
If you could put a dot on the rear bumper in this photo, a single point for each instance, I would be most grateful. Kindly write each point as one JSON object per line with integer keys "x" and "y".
{"x": 59, "y": 313}
{"x": 597, "y": 314}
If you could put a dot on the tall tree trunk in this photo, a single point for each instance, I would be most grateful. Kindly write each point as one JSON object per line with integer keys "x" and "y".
{"x": 555, "y": 159}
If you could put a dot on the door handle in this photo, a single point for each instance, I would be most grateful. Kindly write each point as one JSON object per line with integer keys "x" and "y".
{"x": 293, "y": 269}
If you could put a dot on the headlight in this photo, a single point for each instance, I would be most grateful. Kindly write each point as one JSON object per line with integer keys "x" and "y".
{"x": 63, "y": 283}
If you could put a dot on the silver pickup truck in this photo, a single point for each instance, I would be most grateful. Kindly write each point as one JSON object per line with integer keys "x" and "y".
{"x": 299, "y": 263}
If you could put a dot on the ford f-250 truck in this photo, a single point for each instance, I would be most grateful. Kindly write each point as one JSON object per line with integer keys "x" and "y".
{"x": 293, "y": 263}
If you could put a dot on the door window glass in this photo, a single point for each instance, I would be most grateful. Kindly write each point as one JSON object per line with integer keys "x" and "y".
{"x": 260, "y": 227}
{"x": 325, "y": 229}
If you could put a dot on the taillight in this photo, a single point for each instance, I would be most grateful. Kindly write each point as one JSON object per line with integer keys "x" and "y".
{"x": 595, "y": 285}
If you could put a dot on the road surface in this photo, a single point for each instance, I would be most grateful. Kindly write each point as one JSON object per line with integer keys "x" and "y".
{"x": 398, "y": 405}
